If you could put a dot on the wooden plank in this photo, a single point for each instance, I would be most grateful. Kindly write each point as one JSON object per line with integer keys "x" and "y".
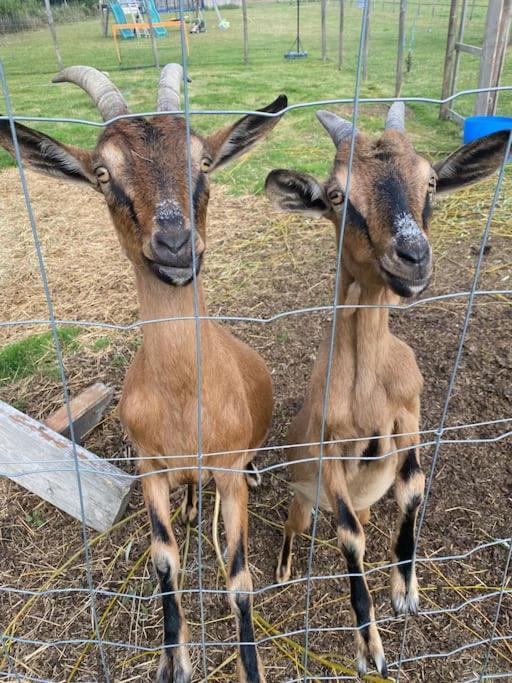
{"x": 42, "y": 461}
{"x": 470, "y": 49}
{"x": 86, "y": 411}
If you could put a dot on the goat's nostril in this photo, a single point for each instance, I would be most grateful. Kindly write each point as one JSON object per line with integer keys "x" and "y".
{"x": 416, "y": 253}
{"x": 172, "y": 241}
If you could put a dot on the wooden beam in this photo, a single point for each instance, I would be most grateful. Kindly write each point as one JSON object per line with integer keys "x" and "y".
{"x": 483, "y": 103}
{"x": 470, "y": 49}
{"x": 87, "y": 409}
{"x": 449, "y": 59}
{"x": 43, "y": 462}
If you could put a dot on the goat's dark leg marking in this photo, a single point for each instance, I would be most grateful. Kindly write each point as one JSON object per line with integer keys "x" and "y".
{"x": 174, "y": 666}
{"x": 234, "y": 497}
{"x": 189, "y": 505}
{"x": 409, "y": 488}
{"x": 351, "y": 540}
{"x": 299, "y": 519}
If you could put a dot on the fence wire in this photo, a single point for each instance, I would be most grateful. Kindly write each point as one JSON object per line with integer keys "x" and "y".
{"x": 437, "y": 440}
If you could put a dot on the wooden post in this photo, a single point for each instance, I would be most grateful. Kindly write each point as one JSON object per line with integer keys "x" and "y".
{"x": 51, "y": 26}
{"x": 340, "y": 37}
{"x": 460, "y": 39}
{"x": 401, "y": 48}
{"x": 501, "y": 49}
{"x": 323, "y": 20}
{"x": 152, "y": 36}
{"x": 449, "y": 59}
{"x": 366, "y": 43}
{"x": 43, "y": 462}
{"x": 483, "y": 103}
{"x": 246, "y": 32}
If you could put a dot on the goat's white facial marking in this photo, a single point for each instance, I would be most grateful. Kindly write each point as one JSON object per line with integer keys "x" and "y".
{"x": 168, "y": 210}
{"x": 405, "y": 228}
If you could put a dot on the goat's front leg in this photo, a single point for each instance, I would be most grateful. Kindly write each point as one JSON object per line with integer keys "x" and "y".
{"x": 234, "y": 495}
{"x": 409, "y": 490}
{"x": 174, "y": 666}
{"x": 351, "y": 540}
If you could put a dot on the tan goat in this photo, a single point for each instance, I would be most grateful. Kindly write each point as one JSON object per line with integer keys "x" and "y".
{"x": 375, "y": 384}
{"x": 140, "y": 166}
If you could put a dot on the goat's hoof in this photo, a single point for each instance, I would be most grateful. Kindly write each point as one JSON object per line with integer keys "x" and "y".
{"x": 283, "y": 572}
{"x": 171, "y": 671}
{"x": 188, "y": 510}
{"x": 405, "y": 599}
{"x": 189, "y": 514}
{"x": 252, "y": 476}
{"x": 371, "y": 649}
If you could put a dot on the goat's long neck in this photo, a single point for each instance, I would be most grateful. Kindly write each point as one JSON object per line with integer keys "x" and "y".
{"x": 173, "y": 342}
{"x": 362, "y": 333}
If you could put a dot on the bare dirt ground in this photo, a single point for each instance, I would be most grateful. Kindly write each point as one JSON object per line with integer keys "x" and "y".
{"x": 260, "y": 263}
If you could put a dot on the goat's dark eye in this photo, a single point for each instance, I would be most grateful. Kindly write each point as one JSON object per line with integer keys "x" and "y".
{"x": 336, "y": 197}
{"x": 102, "y": 174}
{"x": 206, "y": 163}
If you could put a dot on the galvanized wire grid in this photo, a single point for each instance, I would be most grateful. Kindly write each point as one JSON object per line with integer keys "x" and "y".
{"x": 437, "y": 438}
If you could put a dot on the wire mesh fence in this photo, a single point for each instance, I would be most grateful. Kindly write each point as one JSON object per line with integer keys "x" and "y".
{"x": 313, "y": 642}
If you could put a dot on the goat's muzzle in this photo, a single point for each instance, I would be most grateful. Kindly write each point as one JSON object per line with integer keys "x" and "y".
{"x": 407, "y": 265}
{"x": 171, "y": 256}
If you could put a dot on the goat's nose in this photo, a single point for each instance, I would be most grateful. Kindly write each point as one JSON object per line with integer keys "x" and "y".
{"x": 415, "y": 251}
{"x": 171, "y": 240}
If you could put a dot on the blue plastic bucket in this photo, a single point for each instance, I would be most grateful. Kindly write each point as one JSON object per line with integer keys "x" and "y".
{"x": 478, "y": 126}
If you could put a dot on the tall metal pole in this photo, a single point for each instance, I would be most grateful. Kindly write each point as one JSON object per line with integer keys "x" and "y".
{"x": 323, "y": 14}
{"x": 366, "y": 43}
{"x": 152, "y": 38}
{"x": 340, "y": 37}
{"x": 401, "y": 47}
{"x": 51, "y": 26}
{"x": 246, "y": 32}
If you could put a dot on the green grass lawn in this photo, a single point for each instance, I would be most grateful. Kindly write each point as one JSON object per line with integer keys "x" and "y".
{"x": 220, "y": 79}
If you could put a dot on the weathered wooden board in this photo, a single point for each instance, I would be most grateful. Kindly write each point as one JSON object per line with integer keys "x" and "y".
{"x": 42, "y": 461}
{"x": 87, "y": 409}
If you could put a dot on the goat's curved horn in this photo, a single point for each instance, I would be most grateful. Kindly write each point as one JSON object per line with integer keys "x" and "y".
{"x": 339, "y": 129}
{"x": 169, "y": 88}
{"x": 395, "y": 120}
{"x": 101, "y": 90}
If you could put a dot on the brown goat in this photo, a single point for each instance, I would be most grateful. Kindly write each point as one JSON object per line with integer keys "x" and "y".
{"x": 140, "y": 166}
{"x": 374, "y": 398}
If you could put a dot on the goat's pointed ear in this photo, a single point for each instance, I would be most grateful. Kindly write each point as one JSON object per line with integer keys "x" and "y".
{"x": 296, "y": 192}
{"x": 231, "y": 141}
{"x": 471, "y": 163}
{"x": 45, "y": 155}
